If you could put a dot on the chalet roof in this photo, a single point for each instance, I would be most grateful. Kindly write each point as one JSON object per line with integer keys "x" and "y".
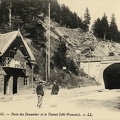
{"x": 6, "y": 40}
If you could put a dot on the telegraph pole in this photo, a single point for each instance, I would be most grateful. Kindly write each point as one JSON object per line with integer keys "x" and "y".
{"x": 48, "y": 48}
{"x": 46, "y": 62}
{"x": 49, "y": 44}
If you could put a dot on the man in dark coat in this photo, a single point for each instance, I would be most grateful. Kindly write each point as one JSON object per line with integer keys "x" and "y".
{"x": 40, "y": 94}
{"x": 54, "y": 93}
{"x": 55, "y": 89}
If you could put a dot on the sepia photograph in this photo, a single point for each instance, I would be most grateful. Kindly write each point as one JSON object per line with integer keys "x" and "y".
{"x": 59, "y": 60}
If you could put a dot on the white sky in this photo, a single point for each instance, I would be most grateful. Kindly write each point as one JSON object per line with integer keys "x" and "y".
{"x": 97, "y": 8}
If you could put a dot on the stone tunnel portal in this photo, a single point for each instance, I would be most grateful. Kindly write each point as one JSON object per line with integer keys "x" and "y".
{"x": 111, "y": 76}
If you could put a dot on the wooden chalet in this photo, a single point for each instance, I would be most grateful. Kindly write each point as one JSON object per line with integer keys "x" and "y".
{"x": 16, "y": 64}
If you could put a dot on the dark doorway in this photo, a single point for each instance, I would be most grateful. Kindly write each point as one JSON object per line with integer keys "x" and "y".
{"x": 111, "y": 76}
{"x": 15, "y": 85}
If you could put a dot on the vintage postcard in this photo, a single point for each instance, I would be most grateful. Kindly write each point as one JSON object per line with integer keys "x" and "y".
{"x": 59, "y": 60}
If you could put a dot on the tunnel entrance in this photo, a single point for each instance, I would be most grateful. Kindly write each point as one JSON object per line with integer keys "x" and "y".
{"x": 111, "y": 76}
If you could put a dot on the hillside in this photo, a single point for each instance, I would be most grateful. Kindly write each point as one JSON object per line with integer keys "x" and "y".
{"x": 85, "y": 44}
{"x": 79, "y": 44}
{"x": 68, "y": 44}
{"x": 65, "y": 79}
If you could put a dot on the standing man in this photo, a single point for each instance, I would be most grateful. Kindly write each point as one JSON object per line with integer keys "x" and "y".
{"x": 55, "y": 88}
{"x": 54, "y": 93}
{"x": 40, "y": 94}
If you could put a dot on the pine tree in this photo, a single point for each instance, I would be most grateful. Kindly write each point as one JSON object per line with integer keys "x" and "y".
{"x": 113, "y": 29}
{"x": 59, "y": 57}
{"x": 101, "y": 27}
{"x": 104, "y": 26}
{"x": 4, "y": 14}
{"x": 96, "y": 28}
{"x": 87, "y": 19}
{"x": 55, "y": 11}
{"x": 65, "y": 16}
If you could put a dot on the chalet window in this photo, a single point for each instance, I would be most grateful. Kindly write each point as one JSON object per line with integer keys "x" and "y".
{"x": 11, "y": 53}
{"x": 25, "y": 81}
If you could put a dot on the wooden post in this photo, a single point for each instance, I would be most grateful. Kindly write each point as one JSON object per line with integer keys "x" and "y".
{"x": 46, "y": 70}
{"x": 32, "y": 75}
{"x": 7, "y": 85}
{"x": 88, "y": 68}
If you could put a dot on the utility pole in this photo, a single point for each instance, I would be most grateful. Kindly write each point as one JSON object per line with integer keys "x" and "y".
{"x": 46, "y": 62}
{"x": 48, "y": 48}
{"x": 49, "y": 44}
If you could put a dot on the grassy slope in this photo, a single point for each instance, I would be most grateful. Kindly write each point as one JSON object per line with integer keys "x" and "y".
{"x": 65, "y": 79}
{"x": 78, "y": 44}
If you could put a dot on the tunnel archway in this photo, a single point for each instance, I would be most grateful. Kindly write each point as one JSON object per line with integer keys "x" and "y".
{"x": 111, "y": 76}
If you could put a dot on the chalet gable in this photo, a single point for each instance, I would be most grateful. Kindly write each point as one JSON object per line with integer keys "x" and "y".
{"x": 9, "y": 39}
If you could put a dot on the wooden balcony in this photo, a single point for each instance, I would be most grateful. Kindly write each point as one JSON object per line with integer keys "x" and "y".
{"x": 10, "y": 62}
{"x": 14, "y": 67}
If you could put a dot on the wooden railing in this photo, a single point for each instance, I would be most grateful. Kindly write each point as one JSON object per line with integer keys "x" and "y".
{"x": 10, "y": 62}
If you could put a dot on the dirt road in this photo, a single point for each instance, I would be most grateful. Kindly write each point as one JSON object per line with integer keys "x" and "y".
{"x": 87, "y": 103}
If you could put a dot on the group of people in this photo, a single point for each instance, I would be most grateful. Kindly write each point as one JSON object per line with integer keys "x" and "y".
{"x": 40, "y": 92}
